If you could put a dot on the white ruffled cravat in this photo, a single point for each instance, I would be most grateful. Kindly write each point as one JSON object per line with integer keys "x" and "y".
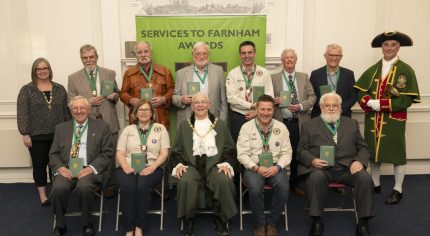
{"x": 204, "y": 142}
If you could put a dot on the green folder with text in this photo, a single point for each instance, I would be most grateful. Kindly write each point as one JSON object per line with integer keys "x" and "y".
{"x": 75, "y": 166}
{"x": 265, "y": 159}
{"x": 146, "y": 93}
{"x": 257, "y": 91}
{"x": 138, "y": 161}
{"x": 285, "y": 98}
{"x": 327, "y": 154}
{"x": 193, "y": 88}
{"x": 107, "y": 88}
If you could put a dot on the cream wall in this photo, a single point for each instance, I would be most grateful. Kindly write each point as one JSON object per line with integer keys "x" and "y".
{"x": 57, "y": 28}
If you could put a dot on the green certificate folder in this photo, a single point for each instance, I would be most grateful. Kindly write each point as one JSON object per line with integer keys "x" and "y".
{"x": 285, "y": 98}
{"x": 193, "y": 88}
{"x": 138, "y": 161}
{"x": 107, "y": 87}
{"x": 327, "y": 154}
{"x": 75, "y": 166}
{"x": 257, "y": 91}
{"x": 146, "y": 93}
{"x": 325, "y": 89}
{"x": 265, "y": 159}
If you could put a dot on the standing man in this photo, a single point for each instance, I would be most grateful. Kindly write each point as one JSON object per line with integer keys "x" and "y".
{"x": 386, "y": 90}
{"x": 264, "y": 136}
{"x": 212, "y": 83}
{"x": 240, "y": 84}
{"x": 146, "y": 74}
{"x": 81, "y": 138}
{"x": 334, "y": 78}
{"x": 293, "y": 116}
{"x": 350, "y": 158}
{"x": 88, "y": 82}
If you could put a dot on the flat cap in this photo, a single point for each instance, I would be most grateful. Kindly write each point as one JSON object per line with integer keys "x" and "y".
{"x": 402, "y": 38}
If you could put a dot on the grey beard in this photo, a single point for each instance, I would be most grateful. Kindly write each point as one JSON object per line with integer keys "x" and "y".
{"x": 330, "y": 118}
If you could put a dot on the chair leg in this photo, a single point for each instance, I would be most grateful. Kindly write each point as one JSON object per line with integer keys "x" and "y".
{"x": 117, "y": 210}
{"x": 162, "y": 203}
{"x": 240, "y": 203}
{"x": 286, "y": 217}
{"x": 101, "y": 211}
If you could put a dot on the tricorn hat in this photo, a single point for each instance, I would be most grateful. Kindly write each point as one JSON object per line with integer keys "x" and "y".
{"x": 402, "y": 38}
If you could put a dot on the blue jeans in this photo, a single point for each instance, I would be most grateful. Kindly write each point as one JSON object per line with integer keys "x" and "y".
{"x": 280, "y": 188}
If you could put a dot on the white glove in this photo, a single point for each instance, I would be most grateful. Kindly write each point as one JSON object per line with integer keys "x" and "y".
{"x": 374, "y": 104}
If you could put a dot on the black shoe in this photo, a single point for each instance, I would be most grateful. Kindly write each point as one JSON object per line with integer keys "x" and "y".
{"x": 88, "y": 230}
{"x": 363, "y": 230}
{"x": 377, "y": 189}
{"x": 394, "y": 198}
{"x": 46, "y": 203}
{"x": 317, "y": 228}
{"x": 188, "y": 227}
{"x": 221, "y": 228}
{"x": 58, "y": 231}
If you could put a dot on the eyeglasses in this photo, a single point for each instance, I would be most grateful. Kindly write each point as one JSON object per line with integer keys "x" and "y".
{"x": 42, "y": 69}
{"x": 331, "y": 106}
{"x": 201, "y": 54}
{"x": 75, "y": 109}
{"x": 143, "y": 110}
{"x": 335, "y": 56}
{"x": 89, "y": 58}
{"x": 200, "y": 102}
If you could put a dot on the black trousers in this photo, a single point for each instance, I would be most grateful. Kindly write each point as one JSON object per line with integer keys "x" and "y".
{"x": 293, "y": 129}
{"x": 236, "y": 121}
{"x": 317, "y": 187}
{"x": 136, "y": 195}
{"x": 39, "y": 153}
{"x": 84, "y": 187}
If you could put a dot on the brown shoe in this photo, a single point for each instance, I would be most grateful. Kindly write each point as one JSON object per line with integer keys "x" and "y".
{"x": 260, "y": 231}
{"x": 271, "y": 230}
{"x": 298, "y": 191}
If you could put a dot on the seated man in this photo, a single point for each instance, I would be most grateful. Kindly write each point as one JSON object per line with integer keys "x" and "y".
{"x": 89, "y": 141}
{"x": 204, "y": 157}
{"x": 351, "y": 157}
{"x": 265, "y": 135}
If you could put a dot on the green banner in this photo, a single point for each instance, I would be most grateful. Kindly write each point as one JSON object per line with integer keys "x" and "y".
{"x": 172, "y": 38}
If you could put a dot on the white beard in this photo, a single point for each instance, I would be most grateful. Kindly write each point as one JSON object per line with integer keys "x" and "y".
{"x": 328, "y": 118}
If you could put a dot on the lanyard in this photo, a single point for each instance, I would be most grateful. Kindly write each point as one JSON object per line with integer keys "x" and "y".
{"x": 332, "y": 130}
{"x": 147, "y": 77}
{"x": 76, "y": 136}
{"x": 263, "y": 139}
{"x": 333, "y": 85}
{"x": 143, "y": 139}
{"x": 248, "y": 82}
{"x": 287, "y": 81}
{"x": 92, "y": 82}
{"x": 204, "y": 75}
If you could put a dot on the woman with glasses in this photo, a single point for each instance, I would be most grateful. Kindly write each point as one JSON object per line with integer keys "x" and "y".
{"x": 41, "y": 105}
{"x": 143, "y": 145}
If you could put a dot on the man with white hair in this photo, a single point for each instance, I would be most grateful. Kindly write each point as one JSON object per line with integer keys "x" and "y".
{"x": 351, "y": 157}
{"x": 211, "y": 80}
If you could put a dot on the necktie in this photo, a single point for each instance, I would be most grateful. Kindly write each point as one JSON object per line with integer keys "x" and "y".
{"x": 92, "y": 75}
{"x": 332, "y": 125}
{"x": 77, "y": 144}
{"x": 294, "y": 98}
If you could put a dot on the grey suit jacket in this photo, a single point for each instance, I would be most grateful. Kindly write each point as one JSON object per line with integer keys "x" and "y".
{"x": 350, "y": 144}
{"x": 78, "y": 85}
{"x": 216, "y": 91}
{"x": 99, "y": 145}
{"x": 305, "y": 91}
